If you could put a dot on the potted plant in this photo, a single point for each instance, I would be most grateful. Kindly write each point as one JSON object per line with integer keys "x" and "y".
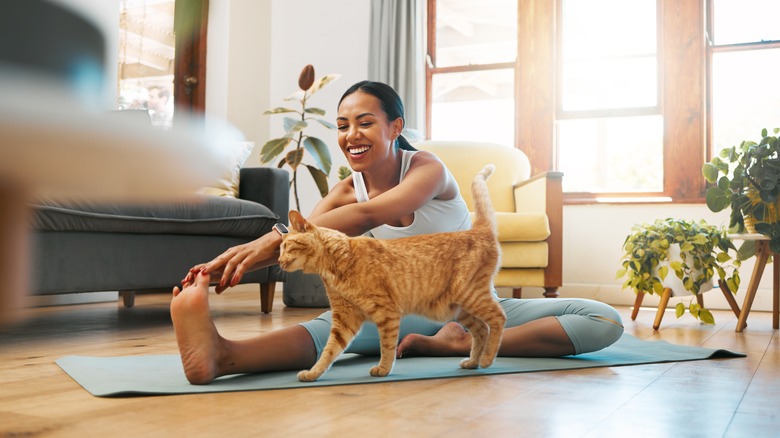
{"x": 747, "y": 179}
{"x": 694, "y": 251}
{"x": 297, "y": 139}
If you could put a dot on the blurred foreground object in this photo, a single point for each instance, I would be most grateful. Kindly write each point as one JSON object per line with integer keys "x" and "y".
{"x": 56, "y": 143}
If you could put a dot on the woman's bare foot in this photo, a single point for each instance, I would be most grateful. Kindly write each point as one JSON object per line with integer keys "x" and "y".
{"x": 451, "y": 340}
{"x": 199, "y": 342}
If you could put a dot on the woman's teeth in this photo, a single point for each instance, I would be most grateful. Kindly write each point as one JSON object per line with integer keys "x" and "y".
{"x": 358, "y": 150}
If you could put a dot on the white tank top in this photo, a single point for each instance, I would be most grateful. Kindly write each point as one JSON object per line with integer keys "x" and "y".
{"x": 436, "y": 216}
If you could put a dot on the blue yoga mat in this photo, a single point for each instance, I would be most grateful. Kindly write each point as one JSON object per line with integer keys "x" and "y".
{"x": 163, "y": 374}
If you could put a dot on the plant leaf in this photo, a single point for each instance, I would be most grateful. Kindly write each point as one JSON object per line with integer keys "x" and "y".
{"x": 292, "y": 125}
{"x": 663, "y": 271}
{"x": 320, "y": 179}
{"x": 344, "y": 172}
{"x": 717, "y": 199}
{"x": 272, "y": 148}
{"x": 319, "y": 152}
{"x": 321, "y": 82}
{"x": 326, "y": 124}
{"x": 710, "y": 172}
{"x": 279, "y": 110}
{"x": 294, "y": 158}
{"x": 706, "y": 316}
{"x": 679, "y": 309}
{"x": 317, "y": 111}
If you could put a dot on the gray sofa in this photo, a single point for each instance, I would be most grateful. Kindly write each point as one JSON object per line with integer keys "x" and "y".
{"x": 84, "y": 247}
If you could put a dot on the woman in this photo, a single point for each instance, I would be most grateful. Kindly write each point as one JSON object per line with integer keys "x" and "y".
{"x": 394, "y": 191}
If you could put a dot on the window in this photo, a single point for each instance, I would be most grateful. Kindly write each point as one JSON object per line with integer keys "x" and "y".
{"x": 612, "y": 93}
{"x": 608, "y": 118}
{"x": 471, "y": 54}
{"x": 744, "y": 60}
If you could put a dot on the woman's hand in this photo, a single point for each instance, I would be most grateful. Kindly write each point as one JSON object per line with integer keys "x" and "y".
{"x": 228, "y": 268}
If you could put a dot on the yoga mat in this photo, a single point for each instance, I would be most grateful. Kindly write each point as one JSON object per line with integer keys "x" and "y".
{"x": 163, "y": 374}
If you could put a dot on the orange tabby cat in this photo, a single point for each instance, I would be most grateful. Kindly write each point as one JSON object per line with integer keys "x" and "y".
{"x": 440, "y": 276}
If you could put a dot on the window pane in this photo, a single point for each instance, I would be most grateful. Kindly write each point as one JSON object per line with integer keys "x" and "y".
{"x": 744, "y": 21}
{"x": 745, "y": 95}
{"x": 472, "y": 32}
{"x": 620, "y": 154}
{"x": 474, "y": 106}
{"x": 609, "y": 54}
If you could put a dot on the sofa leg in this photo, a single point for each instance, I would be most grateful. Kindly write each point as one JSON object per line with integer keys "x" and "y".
{"x": 267, "y": 296}
{"x": 517, "y": 292}
{"x": 128, "y": 298}
{"x": 551, "y": 292}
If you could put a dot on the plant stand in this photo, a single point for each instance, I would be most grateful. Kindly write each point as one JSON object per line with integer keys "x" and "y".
{"x": 304, "y": 290}
{"x": 668, "y": 293}
{"x": 762, "y": 256}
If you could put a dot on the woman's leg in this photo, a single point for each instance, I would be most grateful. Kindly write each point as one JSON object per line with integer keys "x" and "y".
{"x": 367, "y": 340}
{"x": 535, "y": 328}
{"x": 206, "y": 355}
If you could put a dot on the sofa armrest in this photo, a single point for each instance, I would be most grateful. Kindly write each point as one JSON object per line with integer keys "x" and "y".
{"x": 268, "y": 186}
{"x": 543, "y": 193}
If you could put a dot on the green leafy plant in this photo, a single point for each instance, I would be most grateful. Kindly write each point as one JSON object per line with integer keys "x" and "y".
{"x": 747, "y": 179}
{"x": 703, "y": 253}
{"x": 297, "y": 140}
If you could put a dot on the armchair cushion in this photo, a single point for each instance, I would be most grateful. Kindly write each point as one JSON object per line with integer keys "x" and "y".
{"x": 522, "y": 227}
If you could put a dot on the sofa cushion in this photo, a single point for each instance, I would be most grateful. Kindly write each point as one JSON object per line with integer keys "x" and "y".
{"x": 202, "y": 215}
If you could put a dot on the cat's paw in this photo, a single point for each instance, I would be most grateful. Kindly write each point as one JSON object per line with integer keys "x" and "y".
{"x": 486, "y": 361}
{"x": 378, "y": 371}
{"x": 308, "y": 376}
{"x": 468, "y": 364}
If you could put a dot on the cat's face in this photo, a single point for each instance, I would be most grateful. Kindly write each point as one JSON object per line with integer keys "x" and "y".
{"x": 298, "y": 245}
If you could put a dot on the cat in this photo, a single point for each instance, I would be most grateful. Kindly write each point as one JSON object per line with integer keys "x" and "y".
{"x": 440, "y": 276}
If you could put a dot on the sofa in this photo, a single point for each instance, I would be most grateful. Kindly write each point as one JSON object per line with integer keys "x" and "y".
{"x": 529, "y": 210}
{"x": 88, "y": 247}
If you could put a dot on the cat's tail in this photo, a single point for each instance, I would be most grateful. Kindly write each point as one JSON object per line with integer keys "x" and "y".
{"x": 484, "y": 216}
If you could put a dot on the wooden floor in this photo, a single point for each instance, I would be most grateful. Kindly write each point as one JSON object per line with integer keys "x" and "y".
{"x": 712, "y": 398}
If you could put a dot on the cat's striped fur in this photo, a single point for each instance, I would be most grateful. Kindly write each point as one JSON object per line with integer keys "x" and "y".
{"x": 441, "y": 276}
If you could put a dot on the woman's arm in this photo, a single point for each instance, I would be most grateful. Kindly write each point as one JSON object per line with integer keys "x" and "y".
{"x": 426, "y": 179}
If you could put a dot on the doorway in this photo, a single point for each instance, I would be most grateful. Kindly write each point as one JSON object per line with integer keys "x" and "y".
{"x": 162, "y": 58}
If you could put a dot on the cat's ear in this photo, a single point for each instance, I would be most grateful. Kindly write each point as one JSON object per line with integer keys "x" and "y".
{"x": 297, "y": 222}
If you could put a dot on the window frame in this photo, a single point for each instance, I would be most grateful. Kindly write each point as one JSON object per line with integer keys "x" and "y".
{"x": 431, "y": 69}
{"x": 713, "y": 49}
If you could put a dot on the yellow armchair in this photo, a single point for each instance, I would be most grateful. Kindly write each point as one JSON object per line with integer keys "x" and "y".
{"x": 529, "y": 210}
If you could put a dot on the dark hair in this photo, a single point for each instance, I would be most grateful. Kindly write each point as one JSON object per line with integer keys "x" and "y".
{"x": 389, "y": 101}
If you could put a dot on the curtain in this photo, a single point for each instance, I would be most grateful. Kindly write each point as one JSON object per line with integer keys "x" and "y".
{"x": 396, "y": 53}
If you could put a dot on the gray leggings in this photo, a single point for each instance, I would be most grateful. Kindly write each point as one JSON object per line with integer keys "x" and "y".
{"x": 590, "y": 325}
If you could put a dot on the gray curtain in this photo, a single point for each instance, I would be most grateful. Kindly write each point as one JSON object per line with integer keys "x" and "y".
{"x": 396, "y": 53}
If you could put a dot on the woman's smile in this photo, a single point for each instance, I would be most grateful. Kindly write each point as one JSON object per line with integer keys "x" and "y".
{"x": 356, "y": 151}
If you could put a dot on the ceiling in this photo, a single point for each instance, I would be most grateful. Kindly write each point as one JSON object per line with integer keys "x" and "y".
{"x": 146, "y": 38}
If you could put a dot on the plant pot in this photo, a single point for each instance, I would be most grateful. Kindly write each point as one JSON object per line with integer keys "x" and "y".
{"x": 771, "y": 212}
{"x": 304, "y": 290}
{"x": 675, "y": 284}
